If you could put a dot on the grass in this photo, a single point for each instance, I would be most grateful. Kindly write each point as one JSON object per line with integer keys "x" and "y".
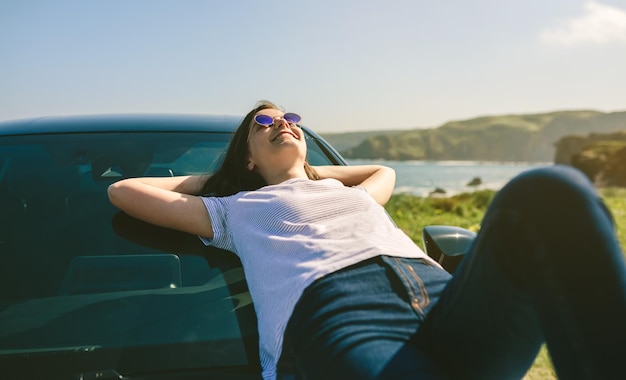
{"x": 466, "y": 210}
{"x": 615, "y": 199}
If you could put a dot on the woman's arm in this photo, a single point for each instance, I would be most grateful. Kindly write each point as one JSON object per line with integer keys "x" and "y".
{"x": 377, "y": 179}
{"x": 170, "y": 202}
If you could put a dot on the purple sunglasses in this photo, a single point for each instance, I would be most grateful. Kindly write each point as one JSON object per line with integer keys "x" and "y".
{"x": 268, "y": 121}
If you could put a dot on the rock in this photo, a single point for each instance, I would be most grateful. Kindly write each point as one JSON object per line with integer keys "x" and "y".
{"x": 589, "y": 162}
{"x": 570, "y": 146}
{"x": 614, "y": 172}
{"x": 437, "y": 191}
{"x": 604, "y": 162}
{"x": 476, "y": 181}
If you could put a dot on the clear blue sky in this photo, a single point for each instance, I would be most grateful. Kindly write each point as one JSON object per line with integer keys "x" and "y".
{"x": 343, "y": 65}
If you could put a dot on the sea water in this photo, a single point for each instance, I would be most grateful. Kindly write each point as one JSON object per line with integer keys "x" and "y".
{"x": 422, "y": 178}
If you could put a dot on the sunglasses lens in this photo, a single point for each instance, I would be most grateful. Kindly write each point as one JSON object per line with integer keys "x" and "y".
{"x": 264, "y": 120}
{"x": 267, "y": 121}
{"x": 292, "y": 117}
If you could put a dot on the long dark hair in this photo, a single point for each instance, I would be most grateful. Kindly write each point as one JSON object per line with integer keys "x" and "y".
{"x": 233, "y": 176}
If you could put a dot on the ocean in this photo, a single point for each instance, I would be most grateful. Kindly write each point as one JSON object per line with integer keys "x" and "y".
{"x": 423, "y": 177}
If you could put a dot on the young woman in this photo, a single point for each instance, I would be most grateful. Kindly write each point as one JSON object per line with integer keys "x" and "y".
{"x": 340, "y": 292}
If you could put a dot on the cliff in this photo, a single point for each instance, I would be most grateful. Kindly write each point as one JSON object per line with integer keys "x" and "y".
{"x": 602, "y": 157}
{"x": 529, "y": 138}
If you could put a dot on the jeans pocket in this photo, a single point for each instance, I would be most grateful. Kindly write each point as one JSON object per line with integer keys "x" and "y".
{"x": 422, "y": 281}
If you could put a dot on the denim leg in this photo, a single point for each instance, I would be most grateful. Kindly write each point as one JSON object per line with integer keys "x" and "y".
{"x": 546, "y": 265}
{"x": 359, "y": 323}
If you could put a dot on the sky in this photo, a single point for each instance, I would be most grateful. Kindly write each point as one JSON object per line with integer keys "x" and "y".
{"x": 343, "y": 65}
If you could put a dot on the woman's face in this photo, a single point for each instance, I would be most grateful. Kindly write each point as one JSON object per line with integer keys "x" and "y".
{"x": 278, "y": 146}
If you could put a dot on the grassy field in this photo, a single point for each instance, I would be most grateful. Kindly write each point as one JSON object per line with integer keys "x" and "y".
{"x": 466, "y": 210}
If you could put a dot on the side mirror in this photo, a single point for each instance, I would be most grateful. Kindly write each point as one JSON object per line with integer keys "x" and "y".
{"x": 447, "y": 244}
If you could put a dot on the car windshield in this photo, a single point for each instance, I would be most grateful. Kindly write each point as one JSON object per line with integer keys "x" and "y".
{"x": 80, "y": 278}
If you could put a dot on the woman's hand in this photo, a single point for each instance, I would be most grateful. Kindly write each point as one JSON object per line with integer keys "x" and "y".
{"x": 170, "y": 202}
{"x": 378, "y": 180}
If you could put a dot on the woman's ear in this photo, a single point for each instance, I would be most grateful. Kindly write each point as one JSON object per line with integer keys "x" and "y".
{"x": 250, "y": 166}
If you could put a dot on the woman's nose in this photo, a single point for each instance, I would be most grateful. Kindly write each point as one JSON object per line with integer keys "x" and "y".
{"x": 280, "y": 121}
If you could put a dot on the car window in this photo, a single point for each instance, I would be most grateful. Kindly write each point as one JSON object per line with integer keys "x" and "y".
{"x": 78, "y": 276}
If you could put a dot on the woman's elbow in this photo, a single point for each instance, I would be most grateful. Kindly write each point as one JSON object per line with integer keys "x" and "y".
{"x": 390, "y": 173}
{"x": 115, "y": 193}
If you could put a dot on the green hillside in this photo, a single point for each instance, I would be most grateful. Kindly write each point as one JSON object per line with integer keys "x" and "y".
{"x": 529, "y": 137}
{"x": 346, "y": 140}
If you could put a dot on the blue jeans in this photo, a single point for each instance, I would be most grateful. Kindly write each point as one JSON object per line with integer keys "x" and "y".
{"x": 545, "y": 267}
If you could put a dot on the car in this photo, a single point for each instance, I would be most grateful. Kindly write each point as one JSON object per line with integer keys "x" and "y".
{"x": 91, "y": 293}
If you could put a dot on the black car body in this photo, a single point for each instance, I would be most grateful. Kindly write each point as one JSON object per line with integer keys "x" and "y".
{"x": 88, "y": 292}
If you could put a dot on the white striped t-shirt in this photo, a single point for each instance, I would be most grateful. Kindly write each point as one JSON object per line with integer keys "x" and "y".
{"x": 289, "y": 235}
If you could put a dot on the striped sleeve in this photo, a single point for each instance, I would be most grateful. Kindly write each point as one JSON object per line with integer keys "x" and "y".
{"x": 218, "y": 208}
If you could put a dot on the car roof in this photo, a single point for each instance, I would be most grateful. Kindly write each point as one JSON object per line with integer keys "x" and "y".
{"x": 121, "y": 123}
